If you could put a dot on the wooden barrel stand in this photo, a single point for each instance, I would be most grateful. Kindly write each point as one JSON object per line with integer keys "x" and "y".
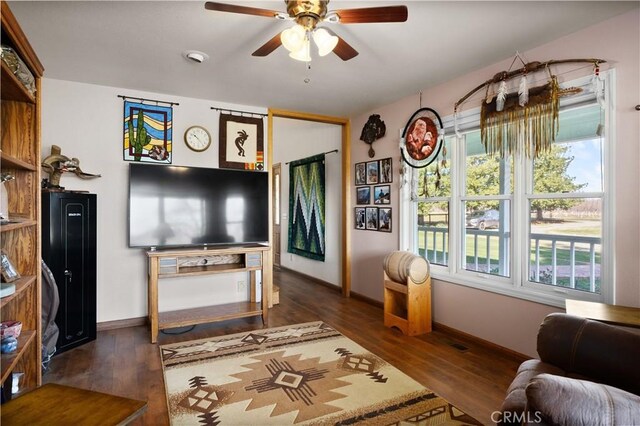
{"x": 407, "y": 305}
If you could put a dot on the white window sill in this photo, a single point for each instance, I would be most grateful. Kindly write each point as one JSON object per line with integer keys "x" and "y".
{"x": 552, "y": 296}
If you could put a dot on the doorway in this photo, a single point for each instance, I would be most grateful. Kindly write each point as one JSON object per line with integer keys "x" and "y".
{"x": 345, "y": 243}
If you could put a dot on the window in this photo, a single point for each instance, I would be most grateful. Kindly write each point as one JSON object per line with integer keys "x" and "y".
{"x": 433, "y": 197}
{"x": 486, "y": 202}
{"x": 535, "y": 229}
{"x": 565, "y": 205}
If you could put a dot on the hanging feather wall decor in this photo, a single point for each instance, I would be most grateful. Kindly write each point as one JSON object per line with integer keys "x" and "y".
{"x": 425, "y": 185}
{"x": 523, "y": 91}
{"x": 527, "y": 119}
{"x": 501, "y": 96}
{"x": 538, "y": 122}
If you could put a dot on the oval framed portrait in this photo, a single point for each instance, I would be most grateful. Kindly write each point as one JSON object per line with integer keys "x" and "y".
{"x": 422, "y": 138}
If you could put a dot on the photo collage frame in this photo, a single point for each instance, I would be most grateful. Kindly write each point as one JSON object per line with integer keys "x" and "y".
{"x": 373, "y": 191}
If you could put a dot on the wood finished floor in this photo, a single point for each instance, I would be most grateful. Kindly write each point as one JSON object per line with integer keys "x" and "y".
{"x": 123, "y": 362}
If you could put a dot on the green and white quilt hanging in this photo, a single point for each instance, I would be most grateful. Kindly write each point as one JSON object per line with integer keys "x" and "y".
{"x": 307, "y": 207}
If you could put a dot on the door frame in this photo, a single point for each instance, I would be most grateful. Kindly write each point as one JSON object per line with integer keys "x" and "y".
{"x": 273, "y": 210}
{"x": 345, "y": 123}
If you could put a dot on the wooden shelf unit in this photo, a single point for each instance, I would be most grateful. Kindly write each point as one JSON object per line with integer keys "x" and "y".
{"x": 9, "y": 361}
{"x": 24, "y": 283}
{"x": 195, "y": 262}
{"x": 12, "y": 89}
{"x": 207, "y": 314}
{"x": 20, "y": 156}
{"x": 11, "y": 162}
{"x": 17, "y": 223}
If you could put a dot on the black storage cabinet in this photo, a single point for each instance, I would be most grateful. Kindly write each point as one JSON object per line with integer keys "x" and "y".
{"x": 69, "y": 249}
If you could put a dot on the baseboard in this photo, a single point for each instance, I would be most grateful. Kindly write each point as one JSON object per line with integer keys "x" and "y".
{"x": 477, "y": 340}
{"x": 313, "y": 279}
{"x": 368, "y": 300}
{"x": 334, "y": 287}
{"x": 112, "y": 325}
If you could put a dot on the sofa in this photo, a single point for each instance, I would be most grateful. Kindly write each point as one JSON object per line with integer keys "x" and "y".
{"x": 588, "y": 374}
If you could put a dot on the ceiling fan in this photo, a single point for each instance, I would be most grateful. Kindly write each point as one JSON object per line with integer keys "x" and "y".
{"x": 308, "y": 14}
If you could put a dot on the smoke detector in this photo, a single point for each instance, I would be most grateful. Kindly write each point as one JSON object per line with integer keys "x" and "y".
{"x": 195, "y": 56}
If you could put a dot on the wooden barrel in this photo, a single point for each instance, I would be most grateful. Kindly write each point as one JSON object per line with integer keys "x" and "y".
{"x": 401, "y": 265}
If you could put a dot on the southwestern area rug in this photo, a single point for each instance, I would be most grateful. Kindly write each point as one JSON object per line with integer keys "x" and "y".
{"x": 303, "y": 374}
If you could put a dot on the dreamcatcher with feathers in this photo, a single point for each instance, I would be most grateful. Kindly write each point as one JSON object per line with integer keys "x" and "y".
{"x": 422, "y": 143}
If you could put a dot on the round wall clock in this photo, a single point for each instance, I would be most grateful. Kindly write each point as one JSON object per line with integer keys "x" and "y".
{"x": 197, "y": 138}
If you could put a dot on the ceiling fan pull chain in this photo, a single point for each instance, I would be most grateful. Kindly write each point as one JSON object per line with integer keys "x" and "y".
{"x": 421, "y": 99}
{"x": 307, "y": 79}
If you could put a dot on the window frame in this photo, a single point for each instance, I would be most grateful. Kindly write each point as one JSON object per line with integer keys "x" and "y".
{"x": 518, "y": 284}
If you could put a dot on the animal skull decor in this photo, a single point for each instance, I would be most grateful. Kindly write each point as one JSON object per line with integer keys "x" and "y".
{"x": 373, "y": 130}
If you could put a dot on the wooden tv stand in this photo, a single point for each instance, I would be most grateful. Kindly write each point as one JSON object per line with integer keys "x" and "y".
{"x": 189, "y": 262}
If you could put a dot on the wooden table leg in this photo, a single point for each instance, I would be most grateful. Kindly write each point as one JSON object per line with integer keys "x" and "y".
{"x": 265, "y": 291}
{"x": 153, "y": 299}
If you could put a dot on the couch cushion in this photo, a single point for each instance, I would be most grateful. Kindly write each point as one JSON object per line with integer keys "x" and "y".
{"x": 559, "y": 400}
{"x": 516, "y": 401}
{"x": 602, "y": 352}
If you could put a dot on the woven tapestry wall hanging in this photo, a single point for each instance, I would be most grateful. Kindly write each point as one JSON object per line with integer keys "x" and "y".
{"x": 241, "y": 142}
{"x": 147, "y": 132}
{"x": 306, "y": 207}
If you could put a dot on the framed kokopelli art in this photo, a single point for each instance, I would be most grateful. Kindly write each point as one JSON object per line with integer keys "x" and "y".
{"x": 241, "y": 142}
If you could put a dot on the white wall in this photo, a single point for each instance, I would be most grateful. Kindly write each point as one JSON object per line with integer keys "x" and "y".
{"x": 86, "y": 122}
{"x": 510, "y": 322}
{"x": 296, "y": 139}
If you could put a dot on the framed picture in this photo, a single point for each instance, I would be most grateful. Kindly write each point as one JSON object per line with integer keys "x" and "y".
{"x": 422, "y": 138}
{"x": 384, "y": 219}
{"x": 382, "y": 194}
{"x": 386, "y": 170}
{"x": 371, "y": 218}
{"x": 372, "y": 172}
{"x": 361, "y": 174}
{"x": 363, "y": 195}
{"x": 148, "y": 132}
{"x": 9, "y": 272}
{"x": 241, "y": 142}
{"x": 360, "y": 218}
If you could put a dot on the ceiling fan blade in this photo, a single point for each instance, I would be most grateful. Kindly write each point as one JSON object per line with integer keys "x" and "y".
{"x": 223, "y": 7}
{"x": 343, "y": 49}
{"x": 269, "y": 46}
{"x": 373, "y": 14}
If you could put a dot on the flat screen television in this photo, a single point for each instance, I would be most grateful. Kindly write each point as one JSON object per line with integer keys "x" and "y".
{"x": 173, "y": 206}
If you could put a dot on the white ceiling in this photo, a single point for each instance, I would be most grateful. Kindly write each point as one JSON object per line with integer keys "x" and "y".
{"x": 139, "y": 45}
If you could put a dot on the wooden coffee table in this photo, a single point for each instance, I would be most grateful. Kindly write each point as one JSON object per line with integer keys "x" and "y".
{"x": 612, "y": 314}
{"x": 54, "y": 404}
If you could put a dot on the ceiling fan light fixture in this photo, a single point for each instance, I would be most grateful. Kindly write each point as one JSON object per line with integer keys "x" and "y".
{"x": 325, "y": 41}
{"x": 293, "y": 38}
{"x": 303, "y": 54}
